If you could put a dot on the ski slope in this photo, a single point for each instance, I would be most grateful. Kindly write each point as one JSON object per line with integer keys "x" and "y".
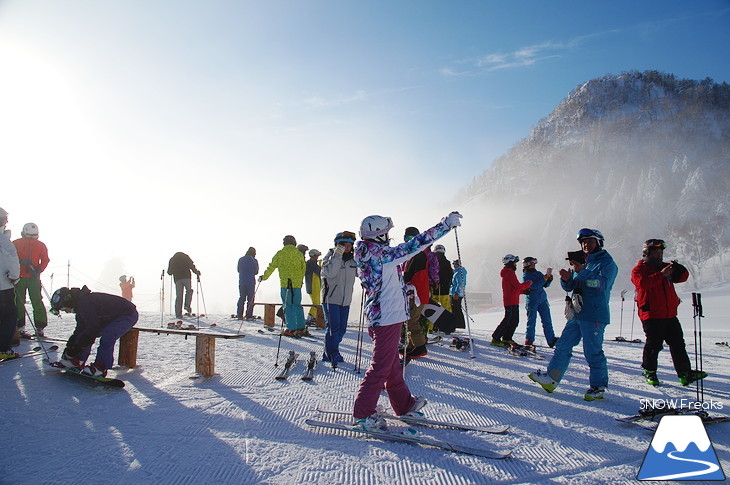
{"x": 243, "y": 426}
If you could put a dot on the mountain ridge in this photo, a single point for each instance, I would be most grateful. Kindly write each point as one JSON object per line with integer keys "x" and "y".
{"x": 637, "y": 155}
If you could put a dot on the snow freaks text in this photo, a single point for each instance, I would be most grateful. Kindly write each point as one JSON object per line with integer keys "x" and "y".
{"x": 688, "y": 404}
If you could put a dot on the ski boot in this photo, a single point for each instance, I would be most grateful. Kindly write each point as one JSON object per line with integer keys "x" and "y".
{"x": 688, "y": 377}
{"x": 70, "y": 362}
{"x": 96, "y": 369}
{"x": 651, "y": 377}
{"x": 544, "y": 379}
{"x": 594, "y": 393}
{"x": 373, "y": 423}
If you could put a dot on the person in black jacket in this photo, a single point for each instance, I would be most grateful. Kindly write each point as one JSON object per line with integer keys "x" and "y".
{"x": 180, "y": 267}
{"x": 97, "y": 315}
{"x": 442, "y": 292}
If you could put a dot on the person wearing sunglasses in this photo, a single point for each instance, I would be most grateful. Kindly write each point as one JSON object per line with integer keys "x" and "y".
{"x": 658, "y": 302}
{"x": 594, "y": 280}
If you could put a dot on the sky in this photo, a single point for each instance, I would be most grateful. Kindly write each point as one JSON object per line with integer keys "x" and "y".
{"x": 132, "y": 130}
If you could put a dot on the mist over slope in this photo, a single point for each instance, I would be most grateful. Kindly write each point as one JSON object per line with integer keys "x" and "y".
{"x": 636, "y": 155}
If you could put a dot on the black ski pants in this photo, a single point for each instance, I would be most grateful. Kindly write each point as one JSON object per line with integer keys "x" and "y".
{"x": 658, "y": 331}
{"x": 506, "y": 328}
{"x": 458, "y": 313}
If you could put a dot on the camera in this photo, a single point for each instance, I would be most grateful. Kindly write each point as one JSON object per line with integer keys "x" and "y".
{"x": 577, "y": 256}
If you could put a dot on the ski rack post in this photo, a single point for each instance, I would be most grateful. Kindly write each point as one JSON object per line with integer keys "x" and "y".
{"x": 162, "y": 299}
{"x": 358, "y": 347}
{"x": 697, "y": 320}
{"x": 466, "y": 306}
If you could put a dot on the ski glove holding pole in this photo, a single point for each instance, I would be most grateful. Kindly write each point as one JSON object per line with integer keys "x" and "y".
{"x": 453, "y": 219}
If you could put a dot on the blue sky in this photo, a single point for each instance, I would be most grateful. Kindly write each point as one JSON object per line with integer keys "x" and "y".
{"x": 170, "y": 124}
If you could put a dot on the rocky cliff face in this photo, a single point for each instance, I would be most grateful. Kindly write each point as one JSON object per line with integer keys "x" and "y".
{"x": 637, "y": 155}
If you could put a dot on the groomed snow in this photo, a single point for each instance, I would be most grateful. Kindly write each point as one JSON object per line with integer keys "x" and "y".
{"x": 245, "y": 427}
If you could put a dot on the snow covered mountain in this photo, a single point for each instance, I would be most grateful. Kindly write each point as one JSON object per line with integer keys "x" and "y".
{"x": 636, "y": 155}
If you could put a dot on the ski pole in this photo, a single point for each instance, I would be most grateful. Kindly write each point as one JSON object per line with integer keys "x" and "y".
{"x": 697, "y": 320}
{"x": 358, "y": 347}
{"x": 197, "y": 300}
{"x": 621, "y": 325}
{"x": 281, "y": 332}
{"x": 40, "y": 342}
{"x": 49, "y": 297}
{"x": 633, "y": 316}
{"x": 250, "y": 302}
{"x": 694, "y": 324}
{"x": 202, "y": 297}
{"x": 466, "y": 306}
{"x": 162, "y": 299}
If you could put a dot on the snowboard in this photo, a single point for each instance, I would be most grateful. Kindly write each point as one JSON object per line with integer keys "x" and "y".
{"x": 442, "y": 319}
{"x": 106, "y": 381}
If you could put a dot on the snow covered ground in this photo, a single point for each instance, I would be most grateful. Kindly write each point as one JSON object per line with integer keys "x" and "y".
{"x": 245, "y": 427}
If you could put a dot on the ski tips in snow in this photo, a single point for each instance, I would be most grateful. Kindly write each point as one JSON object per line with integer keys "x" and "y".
{"x": 288, "y": 365}
{"x": 311, "y": 363}
{"x": 416, "y": 439}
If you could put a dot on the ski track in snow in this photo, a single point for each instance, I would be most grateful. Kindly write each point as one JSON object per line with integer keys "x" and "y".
{"x": 242, "y": 426}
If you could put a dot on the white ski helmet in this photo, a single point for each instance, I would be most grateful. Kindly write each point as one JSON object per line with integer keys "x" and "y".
{"x": 375, "y": 228}
{"x": 439, "y": 248}
{"x": 510, "y": 258}
{"x": 587, "y": 233}
{"x": 30, "y": 230}
{"x": 314, "y": 252}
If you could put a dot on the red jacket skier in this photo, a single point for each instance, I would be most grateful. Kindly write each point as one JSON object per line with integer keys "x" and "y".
{"x": 654, "y": 281}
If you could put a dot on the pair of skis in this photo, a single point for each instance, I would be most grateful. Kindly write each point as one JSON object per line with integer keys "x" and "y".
{"x": 517, "y": 350}
{"x": 34, "y": 351}
{"x": 411, "y": 436}
{"x": 652, "y": 415}
{"x": 291, "y": 361}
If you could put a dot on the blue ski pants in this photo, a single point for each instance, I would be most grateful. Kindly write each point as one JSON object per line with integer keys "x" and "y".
{"x": 547, "y": 322}
{"x": 246, "y": 293}
{"x": 109, "y": 336}
{"x": 592, "y": 335}
{"x": 336, "y": 317}
{"x": 291, "y": 299}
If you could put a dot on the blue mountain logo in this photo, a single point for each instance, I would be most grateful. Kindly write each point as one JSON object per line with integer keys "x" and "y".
{"x": 681, "y": 450}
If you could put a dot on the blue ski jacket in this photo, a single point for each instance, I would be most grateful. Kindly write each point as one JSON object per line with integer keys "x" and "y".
{"x": 537, "y": 290}
{"x": 248, "y": 268}
{"x": 595, "y": 282}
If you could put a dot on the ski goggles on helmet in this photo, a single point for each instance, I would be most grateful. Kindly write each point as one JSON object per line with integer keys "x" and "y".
{"x": 345, "y": 237}
{"x": 586, "y": 233}
{"x": 655, "y": 243}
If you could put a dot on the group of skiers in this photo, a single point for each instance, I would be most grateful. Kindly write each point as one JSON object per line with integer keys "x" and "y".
{"x": 97, "y": 314}
{"x": 397, "y": 281}
{"x": 590, "y": 279}
{"x": 23, "y": 261}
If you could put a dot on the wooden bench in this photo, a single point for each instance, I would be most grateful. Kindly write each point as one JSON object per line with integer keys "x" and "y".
{"x": 204, "y": 347}
{"x": 270, "y": 314}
